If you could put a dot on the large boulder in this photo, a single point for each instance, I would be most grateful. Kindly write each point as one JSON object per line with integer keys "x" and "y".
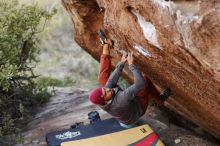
{"x": 176, "y": 43}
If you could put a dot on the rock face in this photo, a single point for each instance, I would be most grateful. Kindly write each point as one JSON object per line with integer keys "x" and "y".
{"x": 176, "y": 43}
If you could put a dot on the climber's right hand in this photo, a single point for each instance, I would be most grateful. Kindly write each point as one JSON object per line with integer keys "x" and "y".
{"x": 124, "y": 56}
{"x": 130, "y": 58}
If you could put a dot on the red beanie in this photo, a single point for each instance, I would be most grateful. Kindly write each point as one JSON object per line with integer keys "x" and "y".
{"x": 95, "y": 96}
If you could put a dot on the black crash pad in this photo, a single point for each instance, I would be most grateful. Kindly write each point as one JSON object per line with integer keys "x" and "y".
{"x": 96, "y": 129}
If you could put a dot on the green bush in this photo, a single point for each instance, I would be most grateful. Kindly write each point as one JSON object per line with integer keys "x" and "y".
{"x": 19, "y": 29}
{"x": 49, "y": 81}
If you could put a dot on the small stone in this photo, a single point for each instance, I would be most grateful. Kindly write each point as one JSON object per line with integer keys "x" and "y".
{"x": 177, "y": 141}
{"x": 35, "y": 141}
{"x": 19, "y": 145}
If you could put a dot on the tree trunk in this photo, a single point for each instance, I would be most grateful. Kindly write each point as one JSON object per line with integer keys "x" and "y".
{"x": 177, "y": 44}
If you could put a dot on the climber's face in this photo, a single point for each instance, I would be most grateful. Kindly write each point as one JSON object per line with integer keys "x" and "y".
{"x": 107, "y": 93}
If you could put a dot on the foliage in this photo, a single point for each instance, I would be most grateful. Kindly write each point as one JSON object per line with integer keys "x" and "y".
{"x": 19, "y": 29}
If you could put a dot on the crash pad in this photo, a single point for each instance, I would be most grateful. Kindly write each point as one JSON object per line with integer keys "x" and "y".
{"x": 104, "y": 132}
{"x": 98, "y": 128}
{"x": 138, "y": 136}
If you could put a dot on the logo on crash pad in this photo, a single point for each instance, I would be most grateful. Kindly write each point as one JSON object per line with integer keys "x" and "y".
{"x": 67, "y": 135}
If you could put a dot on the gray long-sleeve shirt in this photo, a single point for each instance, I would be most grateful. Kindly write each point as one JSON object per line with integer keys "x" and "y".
{"x": 125, "y": 105}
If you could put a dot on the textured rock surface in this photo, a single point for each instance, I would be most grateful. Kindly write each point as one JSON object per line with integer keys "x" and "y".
{"x": 176, "y": 43}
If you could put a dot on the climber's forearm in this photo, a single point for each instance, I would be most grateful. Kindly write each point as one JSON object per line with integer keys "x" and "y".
{"x": 105, "y": 49}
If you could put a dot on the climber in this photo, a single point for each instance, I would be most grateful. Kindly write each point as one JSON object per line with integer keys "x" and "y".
{"x": 129, "y": 105}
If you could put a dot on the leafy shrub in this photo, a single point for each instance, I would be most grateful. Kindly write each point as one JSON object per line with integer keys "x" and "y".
{"x": 49, "y": 81}
{"x": 19, "y": 26}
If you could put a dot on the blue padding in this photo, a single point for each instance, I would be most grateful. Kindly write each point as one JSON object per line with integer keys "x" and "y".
{"x": 96, "y": 129}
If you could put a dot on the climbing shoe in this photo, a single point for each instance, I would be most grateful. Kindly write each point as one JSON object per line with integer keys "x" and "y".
{"x": 102, "y": 36}
{"x": 104, "y": 39}
{"x": 166, "y": 93}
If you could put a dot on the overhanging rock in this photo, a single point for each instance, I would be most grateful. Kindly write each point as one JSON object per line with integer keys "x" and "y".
{"x": 177, "y": 44}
